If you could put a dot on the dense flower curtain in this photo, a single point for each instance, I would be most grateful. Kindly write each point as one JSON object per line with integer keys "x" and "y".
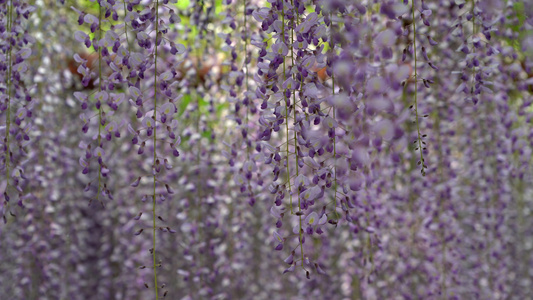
{"x": 279, "y": 149}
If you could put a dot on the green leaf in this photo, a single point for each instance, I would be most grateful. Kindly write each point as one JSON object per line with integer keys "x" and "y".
{"x": 183, "y": 104}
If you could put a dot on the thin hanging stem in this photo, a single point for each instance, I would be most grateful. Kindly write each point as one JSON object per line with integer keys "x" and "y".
{"x": 99, "y": 90}
{"x": 296, "y": 139}
{"x": 155, "y": 152}
{"x": 416, "y": 94}
{"x": 286, "y": 106}
{"x": 8, "y": 77}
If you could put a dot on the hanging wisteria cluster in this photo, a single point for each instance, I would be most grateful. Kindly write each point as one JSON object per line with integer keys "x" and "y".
{"x": 16, "y": 102}
{"x": 266, "y": 149}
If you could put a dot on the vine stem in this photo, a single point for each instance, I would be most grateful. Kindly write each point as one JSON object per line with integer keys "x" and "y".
{"x": 295, "y": 137}
{"x": 474, "y": 33}
{"x": 99, "y": 90}
{"x": 286, "y": 106}
{"x": 334, "y": 117}
{"x": 416, "y": 93}
{"x": 8, "y": 116}
{"x": 155, "y": 152}
{"x": 246, "y": 77}
{"x": 125, "y": 26}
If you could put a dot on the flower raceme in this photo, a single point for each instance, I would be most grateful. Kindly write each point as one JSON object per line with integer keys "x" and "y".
{"x": 16, "y": 103}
